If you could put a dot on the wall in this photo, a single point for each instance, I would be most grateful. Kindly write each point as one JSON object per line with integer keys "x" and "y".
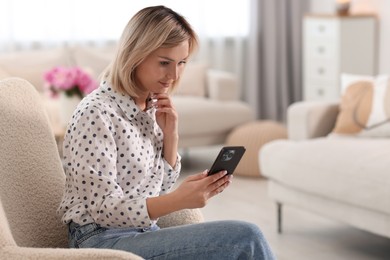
{"x": 379, "y": 7}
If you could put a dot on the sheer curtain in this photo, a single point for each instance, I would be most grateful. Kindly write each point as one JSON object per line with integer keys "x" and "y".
{"x": 258, "y": 40}
{"x": 222, "y": 25}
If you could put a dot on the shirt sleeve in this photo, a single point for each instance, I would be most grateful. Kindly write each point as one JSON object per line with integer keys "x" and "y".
{"x": 93, "y": 160}
{"x": 171, "y": 175}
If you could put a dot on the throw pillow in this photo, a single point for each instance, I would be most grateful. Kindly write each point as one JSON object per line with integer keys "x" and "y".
{"x": 193, "y": 80}
{"x": 365, "y": 106}
{"x": 30, "y": 65}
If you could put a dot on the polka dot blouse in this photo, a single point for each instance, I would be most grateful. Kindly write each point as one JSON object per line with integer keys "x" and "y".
{"x": 113, "y": 161}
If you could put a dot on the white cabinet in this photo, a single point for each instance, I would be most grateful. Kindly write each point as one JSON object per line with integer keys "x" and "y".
{"x": 335, "y": 45}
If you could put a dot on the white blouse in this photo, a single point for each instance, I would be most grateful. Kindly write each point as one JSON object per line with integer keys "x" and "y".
{"x": 113, "y": 161}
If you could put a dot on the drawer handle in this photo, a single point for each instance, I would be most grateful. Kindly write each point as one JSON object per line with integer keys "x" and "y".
{"x": 321, "y": 28}
{"x": 321, "y": 49}
{"x": 321, "y": 71}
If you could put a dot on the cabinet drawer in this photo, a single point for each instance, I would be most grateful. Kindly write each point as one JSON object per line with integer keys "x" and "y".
{"x": 321, "y": 50}
{"x": 322, "y": 28}
{"x": 321, "y": 90}
{"x": 321, "y": 69}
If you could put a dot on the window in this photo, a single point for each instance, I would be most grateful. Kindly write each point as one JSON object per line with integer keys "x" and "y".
{"x": 51, "y": 22}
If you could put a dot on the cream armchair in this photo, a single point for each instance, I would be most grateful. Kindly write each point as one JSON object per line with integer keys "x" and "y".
{"x": 32, "y": 181}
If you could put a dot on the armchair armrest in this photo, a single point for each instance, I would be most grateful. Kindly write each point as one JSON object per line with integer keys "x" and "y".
{"x": 15, "y": 252}
{"x": 222, "y": 85}
{"x": 306, "y": 120}
{"x": 181, "y": 217}
{"x": 10, "y": 250}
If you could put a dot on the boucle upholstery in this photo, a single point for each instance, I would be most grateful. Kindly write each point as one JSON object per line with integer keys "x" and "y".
{"x": 253, "y": 136}
{"x": 31, "y": 173}
{"x": 9, "y": 249}
{"x": 32, "y": 182}
{"x": 182, "y": 217}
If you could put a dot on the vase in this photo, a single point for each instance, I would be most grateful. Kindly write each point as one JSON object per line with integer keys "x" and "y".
{"x": 67, "y": 107}
{"x": 342, "y": 7}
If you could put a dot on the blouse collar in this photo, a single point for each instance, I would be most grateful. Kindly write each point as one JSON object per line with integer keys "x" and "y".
{"x": 126, "y": 103}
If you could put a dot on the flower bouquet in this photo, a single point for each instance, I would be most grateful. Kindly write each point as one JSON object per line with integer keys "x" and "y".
{"x": 70, "y": 85}
{"x": 71, "y": 81}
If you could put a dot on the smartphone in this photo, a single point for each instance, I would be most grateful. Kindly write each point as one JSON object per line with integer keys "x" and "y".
{"x": 227, "y": 159}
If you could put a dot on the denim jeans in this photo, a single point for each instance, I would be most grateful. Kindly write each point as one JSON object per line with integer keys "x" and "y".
{"x": 209, "y": 240}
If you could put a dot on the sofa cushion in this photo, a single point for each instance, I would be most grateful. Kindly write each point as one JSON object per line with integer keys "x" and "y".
{"x": 193, "y": 80}
{"x": 3, "y": 74}
{"x": 365, "y": 106}
{"x": 94, "y": 60}
{"x": 200, "y": 116}
{"x": 349, "y": 170}
{"x": 31, "y": 65}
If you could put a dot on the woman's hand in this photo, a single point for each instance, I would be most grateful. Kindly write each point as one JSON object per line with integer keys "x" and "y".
{"x": 167, "y": 119}
{"x": 193, "y": 192}
{"x": 196, "y": 190}
{"x": 166, "y": 115}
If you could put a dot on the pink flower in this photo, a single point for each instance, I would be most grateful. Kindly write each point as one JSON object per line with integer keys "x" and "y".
{"x": 84, "y": 81}
{"x": 91, "y": 87}
{"x": 71, "y": 80}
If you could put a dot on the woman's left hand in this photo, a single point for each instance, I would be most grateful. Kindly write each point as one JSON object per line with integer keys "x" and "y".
{"x": 166, "y": 115}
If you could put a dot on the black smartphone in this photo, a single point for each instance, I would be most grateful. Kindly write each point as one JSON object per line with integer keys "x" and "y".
{"x": 227, "y": 159}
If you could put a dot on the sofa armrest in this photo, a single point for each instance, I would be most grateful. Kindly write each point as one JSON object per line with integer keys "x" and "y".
{"x": 4, "y": 74}
{"x": 222, "y": 85}
{"x": 306, "y": 120}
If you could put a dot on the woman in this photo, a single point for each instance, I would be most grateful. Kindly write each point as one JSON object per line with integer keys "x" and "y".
{"x": 121, "y": 159}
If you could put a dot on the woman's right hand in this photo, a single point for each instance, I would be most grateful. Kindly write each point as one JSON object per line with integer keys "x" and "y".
{"x": 193, "y": 192}
{"x": 196, "y": 190}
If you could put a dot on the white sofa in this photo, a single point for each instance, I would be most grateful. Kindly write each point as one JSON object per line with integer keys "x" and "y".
{"x": 207, "y": 100}
{"x": 344, "y": 178}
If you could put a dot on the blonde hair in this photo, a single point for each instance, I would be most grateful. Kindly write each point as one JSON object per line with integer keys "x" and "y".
{"x": 149, "y": 29}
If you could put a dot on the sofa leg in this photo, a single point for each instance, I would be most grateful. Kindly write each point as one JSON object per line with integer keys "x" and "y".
{"x": 279, "y": 216}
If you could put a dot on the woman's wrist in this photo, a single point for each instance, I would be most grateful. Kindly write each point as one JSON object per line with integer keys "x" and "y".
{"x": 170, "y": 149}
{"x": 171, "y": 137}
{"x": 164, "y": 205}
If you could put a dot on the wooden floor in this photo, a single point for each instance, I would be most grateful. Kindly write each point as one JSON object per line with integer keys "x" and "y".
{"x": 305, "y": 235}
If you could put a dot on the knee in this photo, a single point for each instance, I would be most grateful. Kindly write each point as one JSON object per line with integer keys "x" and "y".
{"x": 254, "y": 241}
{"x": 249, "y": 230}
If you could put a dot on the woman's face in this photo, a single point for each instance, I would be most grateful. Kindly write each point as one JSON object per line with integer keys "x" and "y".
{"x": 159, "y": 70}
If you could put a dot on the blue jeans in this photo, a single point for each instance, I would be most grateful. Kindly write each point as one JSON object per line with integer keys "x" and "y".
{"x": 209, "y": 240}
